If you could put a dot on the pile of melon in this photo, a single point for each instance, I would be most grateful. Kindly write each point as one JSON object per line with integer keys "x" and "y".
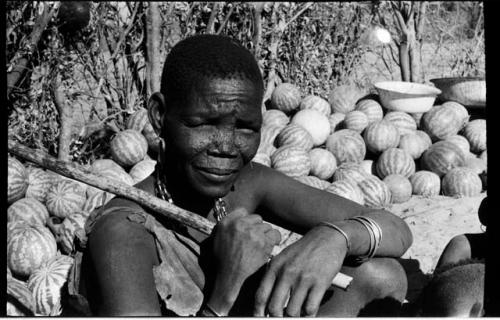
{"x": 352, "y": 146}
{"x": 47, "y": 214}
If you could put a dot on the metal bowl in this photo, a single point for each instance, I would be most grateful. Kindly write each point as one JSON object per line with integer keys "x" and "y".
{"x": 469, "y": 91}
{"x": 409, "y": 97}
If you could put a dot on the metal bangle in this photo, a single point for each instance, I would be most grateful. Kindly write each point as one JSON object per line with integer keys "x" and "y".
{"x": 373, "y": 240}
{"x": 331, "y": 225}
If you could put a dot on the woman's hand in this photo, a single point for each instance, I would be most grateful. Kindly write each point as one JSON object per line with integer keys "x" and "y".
{"x": 301, "y": 274}
{"x": 242, "y": 244}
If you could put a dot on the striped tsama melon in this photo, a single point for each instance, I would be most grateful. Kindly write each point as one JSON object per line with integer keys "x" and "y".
{"x": 356, "y": 120}
{"x": 475, "y": 164}
{"x": 323, "y": 163}
{"x": 441, "y": 157}
{"x": 101, "y": 164}
{"x": 316, "y": 103}
{"x": 315, "y": 123}
{"x": 336, "y": 121}
{"x": 28, "y": 246}
{"x": 380, "y": 136}
{"x": 460, "y": 141}
{"x": 343, "y": 98}
{"x": 295, "y": 135}
{"x": 461, "y": 182}
{"x": 138, "y": 120}
{"x": 475, "y": 132}
{"x": 402, "y": 120}
{"x": 47, "y": 284}
{"x": 425, "y": 137}
{"x": 128, "y": 147}
{"x": 347, "y": 146}
{"x": 19, "y": 297}
{"x": 314, "y": 182}
{"x": 152, "y": 138}
{"x": 417, "y": 117}
{"x": 368, "y": 166}
{"x": 484, "y": 156}
{"x": 29, "y": 210}
{"x": 350, "y": 171}
{"x": 376, "y": 193}
{"x": 286, "y": 97}
{"x": 274, "y": 117}
{"x": 39, "y": 182}
{"x": 263, "y": 159}
{"x": 292, "y": 161}
{"x": 460, "y": 111}
{"x": 96, "y": 201}
{"x": 65, "y": 197}
{"x": 440, "y": 122}
{"x": 72, "y": 224}
{"x": 347, "y": 189}
{"x": 17, "y": 180}
{"x": 395, "y": 161}
{"x": 425, "y": 183}
{"x": 269, "y": 133}
{"x": 399, "y": 186}
{"x": 413, "y": 144}
{"x": 142, "y": 170}
{"x": 371, "y": 108}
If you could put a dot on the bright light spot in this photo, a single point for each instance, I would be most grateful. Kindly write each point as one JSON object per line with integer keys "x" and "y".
{"x": 382, "y": 35}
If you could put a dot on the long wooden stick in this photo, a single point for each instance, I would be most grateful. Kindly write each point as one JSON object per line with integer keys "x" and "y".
{"x": 74, "y": 171}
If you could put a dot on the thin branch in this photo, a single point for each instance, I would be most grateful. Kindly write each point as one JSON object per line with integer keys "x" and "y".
{"x": 421, "y": 20}
{"x": 304, "y": 8}
{"x": 226, "y": 19}
{"x": 257, "y": 23}
{"x": 125, "y": 33}
{"x": 211, "y": 20}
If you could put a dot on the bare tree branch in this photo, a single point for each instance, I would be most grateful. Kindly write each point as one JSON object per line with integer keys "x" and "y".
{"x": 211, "y": 20}
{"x": 126, "y": 32}
{"x": 66, "y": 119}
{"x": 257, "y": 26}
{"x": 226, "y": 19}
{"x": 304, "y": 8}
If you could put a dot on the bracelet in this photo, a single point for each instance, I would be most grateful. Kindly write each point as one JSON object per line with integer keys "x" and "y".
{"x": 375, "y": 234}
{"x": 212, "y": 311}
{"x": 331, "y": 225}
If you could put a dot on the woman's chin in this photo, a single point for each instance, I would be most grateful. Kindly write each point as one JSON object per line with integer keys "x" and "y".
{"x": 212, "y": 186}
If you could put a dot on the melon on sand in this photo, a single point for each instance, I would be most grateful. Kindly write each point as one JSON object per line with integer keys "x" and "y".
{"x": 292, "y": 161}
{"x": 461, "y": 182}
{"x": 413, "y": 144}
{"x": 343, "y": 98}
{"x": 371, "y": 108}
{"x": 336, "y": 121}
{"x": 347, "y": 189}
{"x": 475, "y": 132}
{"x": 47, "y": 283}
{"x": 39, "y": 182}
{"x": 441, "y": 157}
{"x": 441, "y": 122}
{"x": 28, "y": 246}
{"x": 323, "y": 163}
{"x": 295, "y": 135}
{"x": 400, "y": 187}
{"x": 380, "y": 136}
{"x": 65, "y": 197}
{"x": 314, "y": 182}
{"x": 356, "y": 120}
{"x": 376, "y": 193}
{"x": 402, "y": 120}
{"x": 316, "y": 103}
{"x": 29, "y": 210}
{"x": 425, "y": 183}
{"x": 275, "y": 117}
{"x": 395, "y": 161}
{"x": 128, "y": 147}
{"x": 350, "y": 171}
{"x": 315, "y": 123}
{"x": 286, "y": 97}
{"x": 346, "y": 145}
{"x": 17, "y": 180}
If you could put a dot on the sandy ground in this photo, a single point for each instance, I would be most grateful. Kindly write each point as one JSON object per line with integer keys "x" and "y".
{"x": 433, "y": 222}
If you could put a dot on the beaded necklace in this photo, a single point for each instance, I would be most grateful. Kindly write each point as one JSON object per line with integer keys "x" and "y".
{"x": 161, "y": 191}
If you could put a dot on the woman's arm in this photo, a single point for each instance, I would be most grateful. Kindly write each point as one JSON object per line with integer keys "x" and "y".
{"x": 124, "y": 253}
{"x": 298, "y": 207}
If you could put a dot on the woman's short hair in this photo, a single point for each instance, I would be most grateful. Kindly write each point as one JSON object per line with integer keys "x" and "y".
{"x": 204, "y": 57}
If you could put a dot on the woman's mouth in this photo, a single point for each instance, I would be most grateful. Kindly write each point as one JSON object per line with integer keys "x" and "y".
{"x": 216, "y": 174}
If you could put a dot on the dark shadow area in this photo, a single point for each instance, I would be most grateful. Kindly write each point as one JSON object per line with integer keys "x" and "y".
{"x": 417, "y": 280}
{"x": 387, "y": 307}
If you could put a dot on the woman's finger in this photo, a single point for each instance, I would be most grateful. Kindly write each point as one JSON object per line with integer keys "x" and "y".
{"x": 263, "y": 292}
{"x": 297, "y": 298}
{"x": 313, "y": 300}
{"x": 280, "y": 295}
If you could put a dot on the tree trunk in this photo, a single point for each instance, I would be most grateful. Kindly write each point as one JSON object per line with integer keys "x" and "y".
{"x": 65, "y": 118}
{"x": 153, "y": 69}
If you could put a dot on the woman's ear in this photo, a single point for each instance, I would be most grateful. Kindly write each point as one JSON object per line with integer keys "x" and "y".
{"x": 156, "y": 111}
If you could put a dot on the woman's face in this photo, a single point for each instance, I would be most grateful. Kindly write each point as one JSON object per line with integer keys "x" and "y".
{"x": 214, "y": 134}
